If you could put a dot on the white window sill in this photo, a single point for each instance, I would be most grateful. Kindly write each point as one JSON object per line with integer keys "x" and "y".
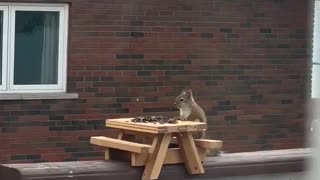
{"x": 27, "y": 96}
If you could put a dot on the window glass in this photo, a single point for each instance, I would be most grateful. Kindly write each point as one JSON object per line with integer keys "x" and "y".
{"x": 36, "y": 47}
{"x": 316, "y": 81}
{"x": 1, "y": 46}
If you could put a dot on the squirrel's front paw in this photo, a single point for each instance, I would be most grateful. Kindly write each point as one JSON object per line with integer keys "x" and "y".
{"x": 179, "y": 118}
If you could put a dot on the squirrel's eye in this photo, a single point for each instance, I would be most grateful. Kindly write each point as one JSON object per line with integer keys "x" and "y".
{"x": 181, "y": 99}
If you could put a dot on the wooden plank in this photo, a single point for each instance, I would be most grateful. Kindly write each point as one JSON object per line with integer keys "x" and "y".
{"x": 120, "y": 135}
{"x": 119, "y": 144}
{"x": 139, "y": 159}
{"x": 127, "y": 121}
{"x": 173, "y": 156}
{"x": 156, "y": 158}
{"x": 141, "y": 134}
{"x": 190, "y": 152}
{"x": 107, "y": 154}
{"x": 208, "y": 143}
{"x": 138, "y": 129}
{"x": 181, "y": 126}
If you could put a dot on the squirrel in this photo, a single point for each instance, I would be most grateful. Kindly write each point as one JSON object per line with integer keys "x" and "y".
{"x": 190, "y": 110}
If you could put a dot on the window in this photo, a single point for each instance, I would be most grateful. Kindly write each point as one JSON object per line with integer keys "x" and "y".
{"x": 33, "y": 40}
{"x": 316, "y": 53}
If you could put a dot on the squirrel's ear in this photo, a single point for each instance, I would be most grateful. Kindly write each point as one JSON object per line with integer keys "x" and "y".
{"x": 189, "y": 93}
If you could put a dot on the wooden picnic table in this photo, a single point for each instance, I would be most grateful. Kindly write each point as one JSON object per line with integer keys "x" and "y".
{"x": 190, "y": 152}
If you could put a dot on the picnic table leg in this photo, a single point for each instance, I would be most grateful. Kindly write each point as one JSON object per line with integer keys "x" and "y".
{"x": 107, "y": 150}
{"x": 190, "y": 153}
{"x": 157, "y": 156}
{"x": 120, "y": 135}
{"x": 107, "y": 154}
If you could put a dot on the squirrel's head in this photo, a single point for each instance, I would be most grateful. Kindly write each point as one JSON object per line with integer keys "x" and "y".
{"x": 184, "y": 98}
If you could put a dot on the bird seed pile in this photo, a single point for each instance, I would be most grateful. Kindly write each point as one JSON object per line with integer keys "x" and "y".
{"x": 155, "y": 119}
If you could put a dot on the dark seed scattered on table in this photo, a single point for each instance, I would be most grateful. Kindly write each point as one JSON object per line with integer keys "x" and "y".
{"x": 155, "y": 119}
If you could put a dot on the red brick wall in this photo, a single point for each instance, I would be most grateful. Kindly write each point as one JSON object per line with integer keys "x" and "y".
{"x": 246, "y": 61}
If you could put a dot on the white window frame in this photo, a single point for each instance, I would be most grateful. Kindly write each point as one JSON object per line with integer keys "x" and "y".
{"x": 3, "y": 85}
{"x": 9, "y": 86}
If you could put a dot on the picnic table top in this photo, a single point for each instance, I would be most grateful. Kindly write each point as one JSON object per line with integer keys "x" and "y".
{"x": 155, "y": 128}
